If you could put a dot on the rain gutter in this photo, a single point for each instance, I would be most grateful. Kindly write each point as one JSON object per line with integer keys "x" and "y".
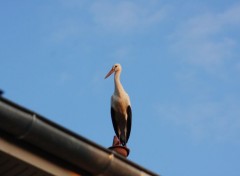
{"x": 36, "y": 130}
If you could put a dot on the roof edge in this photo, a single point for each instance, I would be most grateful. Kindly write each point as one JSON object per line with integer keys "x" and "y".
{"x": 36, "y": 130}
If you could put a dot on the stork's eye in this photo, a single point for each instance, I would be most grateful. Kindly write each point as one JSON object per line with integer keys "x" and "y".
{"x": 115, "y": 66}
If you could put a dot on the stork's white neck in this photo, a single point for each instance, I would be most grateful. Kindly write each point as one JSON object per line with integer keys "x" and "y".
{"x": 118, "y": 86}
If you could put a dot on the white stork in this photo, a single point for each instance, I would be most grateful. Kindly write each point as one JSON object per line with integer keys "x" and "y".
{"x": 120, "y": 107}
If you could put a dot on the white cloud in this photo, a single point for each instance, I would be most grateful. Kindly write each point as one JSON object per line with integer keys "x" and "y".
{"x": 65, "y": 77}
{"x": 207, "y": 40}
{"x": 217, "y": 121}
{"x": 125, "y": 16}
{"x": 73, "y": 3}
{"x": 121, "y": 54}
{"x": 65, "y": 32}
{"x": 238, "y": 66}
{"x": 231, "y": 16}
{"x": 106, "y": 16}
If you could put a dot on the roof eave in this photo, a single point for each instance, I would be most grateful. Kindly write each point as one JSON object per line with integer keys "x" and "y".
{"x": 36, "y": 130}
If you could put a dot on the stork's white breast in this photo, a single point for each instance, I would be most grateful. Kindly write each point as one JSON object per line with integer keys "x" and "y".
{"x": 120, "y": 103}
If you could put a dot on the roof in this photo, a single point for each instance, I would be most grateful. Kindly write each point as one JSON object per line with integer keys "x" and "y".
{"x": 30, "y": 143}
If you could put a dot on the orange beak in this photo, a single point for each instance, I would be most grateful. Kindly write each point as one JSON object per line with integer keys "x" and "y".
{"x": 109, "y": 73}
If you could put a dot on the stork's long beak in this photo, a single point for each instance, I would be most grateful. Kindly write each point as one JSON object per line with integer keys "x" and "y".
{"x": 109, "y": 73}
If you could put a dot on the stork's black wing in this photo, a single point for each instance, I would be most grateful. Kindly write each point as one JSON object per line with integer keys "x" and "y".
{"x": 129, "y": 121}
{"x": 113, "y": 115}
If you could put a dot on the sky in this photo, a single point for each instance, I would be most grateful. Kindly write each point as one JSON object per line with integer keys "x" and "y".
{"x": 181, "y": 69}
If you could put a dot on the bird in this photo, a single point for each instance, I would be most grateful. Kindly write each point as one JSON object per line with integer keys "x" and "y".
{"x": 121, "y": 111}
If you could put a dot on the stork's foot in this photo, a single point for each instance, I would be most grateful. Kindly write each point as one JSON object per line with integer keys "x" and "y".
{"x": 118, "y": 148}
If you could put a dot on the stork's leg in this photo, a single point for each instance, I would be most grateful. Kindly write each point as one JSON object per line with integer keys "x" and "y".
{"x": 116, "y": 141}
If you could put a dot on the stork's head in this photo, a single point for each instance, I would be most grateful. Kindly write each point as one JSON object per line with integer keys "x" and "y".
{"x": 115, "y": 68}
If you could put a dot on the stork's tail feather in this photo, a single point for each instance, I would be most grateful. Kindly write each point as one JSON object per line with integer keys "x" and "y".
{"x": 123, "y": 139}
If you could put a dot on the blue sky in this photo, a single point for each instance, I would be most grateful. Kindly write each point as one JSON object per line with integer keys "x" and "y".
{"x": 181, "y": 69}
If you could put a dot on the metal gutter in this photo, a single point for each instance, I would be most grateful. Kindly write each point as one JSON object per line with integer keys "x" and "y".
{"x": 34, "y": 129}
